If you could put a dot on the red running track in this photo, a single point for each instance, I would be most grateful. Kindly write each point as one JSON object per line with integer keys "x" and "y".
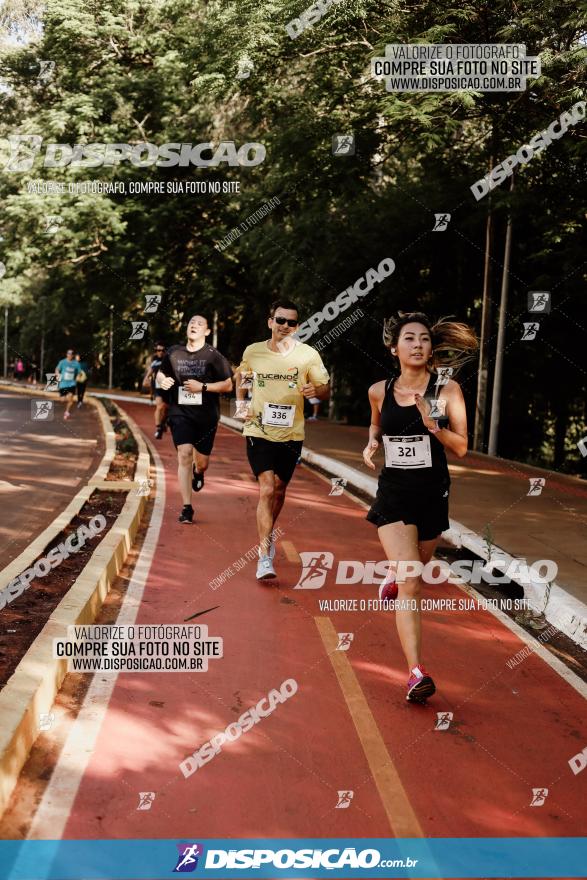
{"x": 349, "y": 726}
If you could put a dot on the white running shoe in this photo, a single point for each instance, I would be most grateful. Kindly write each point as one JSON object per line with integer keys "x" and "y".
{"x": 265, "y": 568}
{"x": 270, "y": 551}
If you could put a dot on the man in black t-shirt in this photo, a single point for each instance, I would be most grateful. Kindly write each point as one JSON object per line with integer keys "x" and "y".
{"x": 195, "y": 374}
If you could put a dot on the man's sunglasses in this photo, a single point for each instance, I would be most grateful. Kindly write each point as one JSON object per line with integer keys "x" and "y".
{"x": 289, "y": 321}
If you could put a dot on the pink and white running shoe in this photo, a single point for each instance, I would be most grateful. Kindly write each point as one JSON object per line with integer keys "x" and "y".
{"x": 388, "y": 589}
{"x": 420, "y": 686}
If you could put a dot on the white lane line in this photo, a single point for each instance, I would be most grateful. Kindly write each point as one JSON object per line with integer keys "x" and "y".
{"x": 55, "y": 807}
{"x": 537, "y": 647}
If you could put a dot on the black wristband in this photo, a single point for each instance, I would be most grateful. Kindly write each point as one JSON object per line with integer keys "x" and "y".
{"x": 204, "y": 386}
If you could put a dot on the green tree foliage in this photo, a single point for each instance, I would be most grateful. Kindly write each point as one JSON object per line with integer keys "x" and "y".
{"x": 175, "y": 71}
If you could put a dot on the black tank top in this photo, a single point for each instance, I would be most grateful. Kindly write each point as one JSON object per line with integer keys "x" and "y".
{"x": 406, "y": 421}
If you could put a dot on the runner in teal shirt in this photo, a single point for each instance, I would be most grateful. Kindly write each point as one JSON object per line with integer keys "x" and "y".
{"x": 67, "y": 370}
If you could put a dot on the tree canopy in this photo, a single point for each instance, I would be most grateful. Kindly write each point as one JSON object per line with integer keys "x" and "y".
{"x": 195, "y": 71}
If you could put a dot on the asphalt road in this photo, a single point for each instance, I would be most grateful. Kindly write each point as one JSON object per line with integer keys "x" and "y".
{"x": 43, "y": 463}
{"x": 507, "y": 730}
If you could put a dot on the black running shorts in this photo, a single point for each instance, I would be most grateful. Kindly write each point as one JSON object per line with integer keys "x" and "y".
{"x": 63, "y": 392}
{"x": 424, "y": 507}
{"x": 270, "y": 455}
{"x": 198, "y": 434}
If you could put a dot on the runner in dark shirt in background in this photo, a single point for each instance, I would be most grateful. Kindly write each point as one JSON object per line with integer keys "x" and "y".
{"x": 195, "y": 375}
{"x": 158, "y": 394}
{"x": 81, "y": 382}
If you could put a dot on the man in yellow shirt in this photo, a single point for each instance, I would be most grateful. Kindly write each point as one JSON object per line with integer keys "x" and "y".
{"x": 281, "y": 372}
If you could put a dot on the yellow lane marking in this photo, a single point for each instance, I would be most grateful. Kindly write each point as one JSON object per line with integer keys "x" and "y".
{"x": 401, "y": 816}
{"x": 290, "y": 551}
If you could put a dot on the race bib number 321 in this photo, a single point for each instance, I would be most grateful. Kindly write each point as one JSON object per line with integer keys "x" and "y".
{"x": 407, "y": 452}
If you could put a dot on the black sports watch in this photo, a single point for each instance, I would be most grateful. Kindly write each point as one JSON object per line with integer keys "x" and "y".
{"x": 204, "y": 386}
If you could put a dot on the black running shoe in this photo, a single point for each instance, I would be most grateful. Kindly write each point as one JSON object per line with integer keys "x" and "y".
{"x": 187, "y": 514}
{"x": 158, "y": 432}
{"x": 197, "y": 479}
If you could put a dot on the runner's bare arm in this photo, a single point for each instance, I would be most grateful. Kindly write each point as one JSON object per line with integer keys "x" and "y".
{"x": 322, "y": 392}
{"x": 166, "y": 382}
{"x": 454, "y": 438}
{"x": 376, "y": 393}
{"x": 221, "y": 387}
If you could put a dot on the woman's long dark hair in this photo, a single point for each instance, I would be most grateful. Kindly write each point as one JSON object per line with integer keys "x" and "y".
{"x": 453, "y": 343}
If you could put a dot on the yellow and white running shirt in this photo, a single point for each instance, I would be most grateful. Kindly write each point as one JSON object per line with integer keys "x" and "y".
{"x": 276, "y": 410}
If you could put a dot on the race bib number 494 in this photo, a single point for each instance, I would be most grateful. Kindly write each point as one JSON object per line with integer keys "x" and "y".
{"x": 407, "y": 452}
{"x": 192, "y": 398}
{"x": 281, "y": 414}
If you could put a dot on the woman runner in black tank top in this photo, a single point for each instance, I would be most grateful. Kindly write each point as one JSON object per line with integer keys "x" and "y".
{"x": 406, "y": 422}
{"x": 414, "y": 418}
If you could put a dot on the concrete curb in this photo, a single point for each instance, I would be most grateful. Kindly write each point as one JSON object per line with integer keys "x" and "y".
{"x": 127, "y": 397}
{"x": 562, "y": 610}
{"x": 31, "y": 690}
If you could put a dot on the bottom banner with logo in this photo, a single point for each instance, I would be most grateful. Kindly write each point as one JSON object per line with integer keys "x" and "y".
{"x": 303, "y": 858}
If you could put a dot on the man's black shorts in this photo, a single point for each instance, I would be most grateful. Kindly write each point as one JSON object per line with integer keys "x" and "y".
{"x": 270, "y": 455}
{"x": 199, "y": 434}
{"x": 63, "y": 392}
{"x": 426, "y": 508}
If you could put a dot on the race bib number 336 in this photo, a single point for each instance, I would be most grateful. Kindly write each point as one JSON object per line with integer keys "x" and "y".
{"x": 281, "y": 414}
{"x": 407, "y": 452}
